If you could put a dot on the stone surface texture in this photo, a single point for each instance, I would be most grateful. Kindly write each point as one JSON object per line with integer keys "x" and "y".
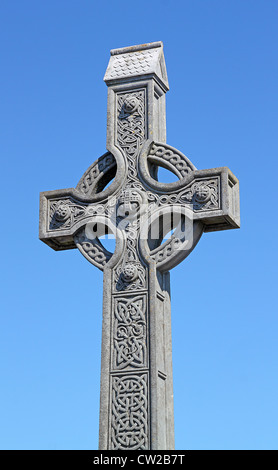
{"x": 136, "y": 406}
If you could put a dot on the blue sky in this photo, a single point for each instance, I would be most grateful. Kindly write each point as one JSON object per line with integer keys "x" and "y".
{"x": 221, "y": 58}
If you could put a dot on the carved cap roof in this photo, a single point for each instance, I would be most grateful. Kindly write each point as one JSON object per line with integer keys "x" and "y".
{"x": 137, "y": 61}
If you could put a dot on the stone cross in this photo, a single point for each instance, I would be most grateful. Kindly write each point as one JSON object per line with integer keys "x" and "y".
{"x": 136, "y": 407}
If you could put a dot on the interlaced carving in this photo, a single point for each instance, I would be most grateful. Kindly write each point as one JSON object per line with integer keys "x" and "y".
{"x": 129, "y": 332}
{"x": 129, "y": 261}
{"x": 129, "y": 428}
{"x": 202, "y": 195}
{"x": 131, "y": 128}
{"x": 94, "y": 178}
{"x": 93, "y": 250}
{"x": 64, "y": 213}
{"x": 124, "y": 283}
{"x": 130, "y": 205}
{"x": 166, "y": 249}
{"x": 174, "y": 159}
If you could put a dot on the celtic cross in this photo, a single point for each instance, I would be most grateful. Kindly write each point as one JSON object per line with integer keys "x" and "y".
{"x": 136, "y": 408}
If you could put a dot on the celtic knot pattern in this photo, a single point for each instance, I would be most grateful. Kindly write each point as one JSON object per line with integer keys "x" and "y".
{"x": 131, "y": 257}
{"x": 122, "y": 283}
{"x": 130, "y": 339}
{"x": 202, "y": 195}
{"x": 174, "y": 160}
{"x": 130, "y": 204}
{"x": 94, "y": 178}
{"x": 93, "y": 250}
{"x": 64, "y": 213}
{"x": 129, "y": 413}
{"x": 131, "y": 127}
{"x": 130, "y": 272}
{"x": 166, "y": 250}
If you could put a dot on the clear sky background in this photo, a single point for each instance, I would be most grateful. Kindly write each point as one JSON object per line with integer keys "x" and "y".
{"x": 221, "y": 58}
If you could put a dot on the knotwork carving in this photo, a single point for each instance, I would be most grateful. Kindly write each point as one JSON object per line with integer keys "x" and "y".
{"x": 93, "y": 250}
{"x": 97, "y": 175}
{"x": 171, "y": 158}
{"x": 123, "y": 283}
{"x": 129, "y": 332}
{"x": 129, "y": 425}
{"x": 64, "y": 213}
{"x": 131, "y": 204}
{"x": 130, "y": 273}
{"x": 166, "y": 250}
{"x": 203, "y": 195}
{"x": 131, "y": 128}
{"x": 130, "y": 105}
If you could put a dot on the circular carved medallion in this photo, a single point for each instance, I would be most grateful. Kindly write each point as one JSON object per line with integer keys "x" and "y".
{"x": 62, "y": 212}
{"x": 202, "y": 194}
{"x": 130, "y": 273}
{"x": 131, "y": 104}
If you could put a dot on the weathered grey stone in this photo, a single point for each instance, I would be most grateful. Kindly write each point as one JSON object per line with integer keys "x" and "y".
{"x": 136, "y": 406}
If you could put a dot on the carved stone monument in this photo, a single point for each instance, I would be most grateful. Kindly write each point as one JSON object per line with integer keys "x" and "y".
{"x": 136, "y": 407}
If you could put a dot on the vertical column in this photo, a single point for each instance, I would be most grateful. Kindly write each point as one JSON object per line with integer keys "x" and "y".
{"x": 129, "y": 372}
{"x": 136, "y": 371}
{"x": 162, "y": 409}
{"x": 129, "y": 383}
{"x": 136, "y": 411}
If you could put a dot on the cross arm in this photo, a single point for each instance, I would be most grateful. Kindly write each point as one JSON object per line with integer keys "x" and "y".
{"x": 60, "y": 216}
{"x": 63, "y": 213}
{"x": 207, "y": 199}
{"x": 212, "y": 194}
